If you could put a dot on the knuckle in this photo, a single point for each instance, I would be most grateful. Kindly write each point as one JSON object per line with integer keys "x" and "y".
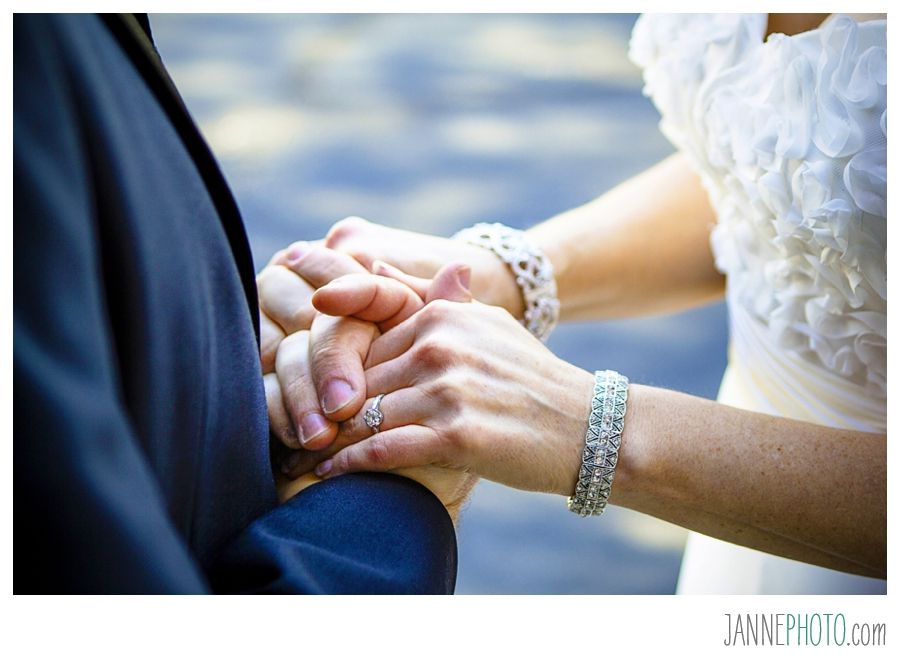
{"x": 437, "y": 311}
{"x": 433, "y": 353}
{"x": 453, "y": 439}
{"x": 309, "y": 265}
{"x": 285, "y": 298}
{"x": 342, "y": 462}
{"x": 343, "y": 230}
{"x": 296, "y": 246}
{"x": 290, "y": 254}
{"x": 502, "y": 315}
{"x": 301, "y": 316}
{"x": 267, "y": 353}
{"x": 316, "y": 256}
{"x": 376, "y": 452}
{"x": 361, "y": 255}
{"x": 292, "y": 350}
{"x": 277, "y": 257}
{"x": 433, "y": 391}
{"x": 353, "y": 429}
{"x": 266, "y": 275}
{"x": 453, "y": 388}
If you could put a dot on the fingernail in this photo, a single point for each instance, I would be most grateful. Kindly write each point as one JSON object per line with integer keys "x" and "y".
{"x": 324, "y": 468}
{"x": 288, "y": 464}
{"x": 311, "y": 425}
{"x": 296, "y": 252}
{"x": 338, "y": 394}
{"x": 464, "y": 276}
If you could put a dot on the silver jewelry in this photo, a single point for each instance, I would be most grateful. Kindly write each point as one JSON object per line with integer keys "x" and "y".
{"x": 601, "y": 444}
{"x": 373, "y": 416}
{"x": 531, "y": 268}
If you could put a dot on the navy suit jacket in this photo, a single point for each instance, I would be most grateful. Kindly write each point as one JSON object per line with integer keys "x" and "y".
{"x": 141, "y": 450}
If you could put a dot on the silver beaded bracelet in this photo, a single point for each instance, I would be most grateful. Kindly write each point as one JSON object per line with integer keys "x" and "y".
{"x": 531, "y": 268}
{"x": 601, "y": 444}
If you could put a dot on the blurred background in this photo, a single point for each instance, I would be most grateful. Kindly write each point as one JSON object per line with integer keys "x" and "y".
{"x": 433, "y": 122}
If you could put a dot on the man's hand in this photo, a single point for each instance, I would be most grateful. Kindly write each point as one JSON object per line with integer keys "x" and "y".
{"x": 337, "y": 347}
{"x": 319, "y": 374}
{"x": 285, "y": 288}
{"x": 312, "y": 363}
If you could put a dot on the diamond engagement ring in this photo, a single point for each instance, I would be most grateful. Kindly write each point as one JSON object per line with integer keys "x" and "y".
{"x": 373, "y": 416}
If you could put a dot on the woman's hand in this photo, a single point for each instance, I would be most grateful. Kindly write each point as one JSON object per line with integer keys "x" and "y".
{"x": 468, "y": 388}
{"x": 422, "y": 255}
{"x": 305, "y": 360}
{"x": 321, "y": 381}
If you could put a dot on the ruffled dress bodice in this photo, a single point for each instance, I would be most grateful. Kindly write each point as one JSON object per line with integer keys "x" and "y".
{"x": 789, "y": 137}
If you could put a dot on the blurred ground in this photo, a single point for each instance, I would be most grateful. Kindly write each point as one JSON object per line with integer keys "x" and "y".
{"x": 433, "y": 122}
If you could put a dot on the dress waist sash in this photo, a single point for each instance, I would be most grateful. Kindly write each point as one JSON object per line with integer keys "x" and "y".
{"x": 767, "y": 379}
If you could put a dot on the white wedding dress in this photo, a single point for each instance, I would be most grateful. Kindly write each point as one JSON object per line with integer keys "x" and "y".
{"x": 789, "y": 137}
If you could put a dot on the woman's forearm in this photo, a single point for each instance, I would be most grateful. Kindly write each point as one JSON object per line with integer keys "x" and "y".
{"x": 468, "y": 388}
{"x": 642, "y": 248}
{"x": 808, "y": 492}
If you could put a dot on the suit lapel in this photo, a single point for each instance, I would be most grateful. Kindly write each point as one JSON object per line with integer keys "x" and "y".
{"x": 133, "y": 37}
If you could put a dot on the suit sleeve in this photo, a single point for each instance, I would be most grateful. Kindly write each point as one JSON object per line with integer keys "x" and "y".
{"x": 355, "y": 534}
{"x": 88, "y": 513}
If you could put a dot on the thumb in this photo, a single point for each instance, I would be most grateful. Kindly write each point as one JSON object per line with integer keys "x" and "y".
{"x": 451, "y": 283}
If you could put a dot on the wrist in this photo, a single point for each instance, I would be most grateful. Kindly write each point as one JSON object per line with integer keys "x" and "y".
{"x": 636, "y": 464}
{"x": 601, "y": 444}
{"x": 576, "y": 412}
{"x": 495, "y": 284}
{"x": 532, "y": 272}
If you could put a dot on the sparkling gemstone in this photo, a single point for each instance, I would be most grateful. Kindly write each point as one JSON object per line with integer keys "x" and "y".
{"x": 373, "y": 417}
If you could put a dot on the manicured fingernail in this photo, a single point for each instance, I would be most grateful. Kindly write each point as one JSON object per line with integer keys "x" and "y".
{"x": 464, "y": 276}
{"x": 338, "y": 394}
{"x": 324, "y": 468}
{"x": 296, "y": 252}
{"x": 288, "y": 464}
{"x": 311, "y": 425}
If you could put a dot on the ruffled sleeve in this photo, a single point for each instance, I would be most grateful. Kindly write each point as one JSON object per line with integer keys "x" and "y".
{"x": 789, "y": 138}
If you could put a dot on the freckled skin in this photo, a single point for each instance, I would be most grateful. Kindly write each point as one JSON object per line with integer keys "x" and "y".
{"x": 762, "y": 481}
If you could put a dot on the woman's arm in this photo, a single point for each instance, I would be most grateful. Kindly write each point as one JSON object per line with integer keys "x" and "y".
{"x": 467, "y": 387}
{"x": 799, "y": 490}
{"x": 641, "y": 248}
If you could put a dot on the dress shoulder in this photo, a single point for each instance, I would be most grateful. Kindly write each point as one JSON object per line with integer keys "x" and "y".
{"x": 788, "y": 135}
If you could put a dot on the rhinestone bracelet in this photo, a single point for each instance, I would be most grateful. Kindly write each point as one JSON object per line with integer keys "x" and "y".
{"x": 601, "y": 444}
{"x": 531, "y": 268}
